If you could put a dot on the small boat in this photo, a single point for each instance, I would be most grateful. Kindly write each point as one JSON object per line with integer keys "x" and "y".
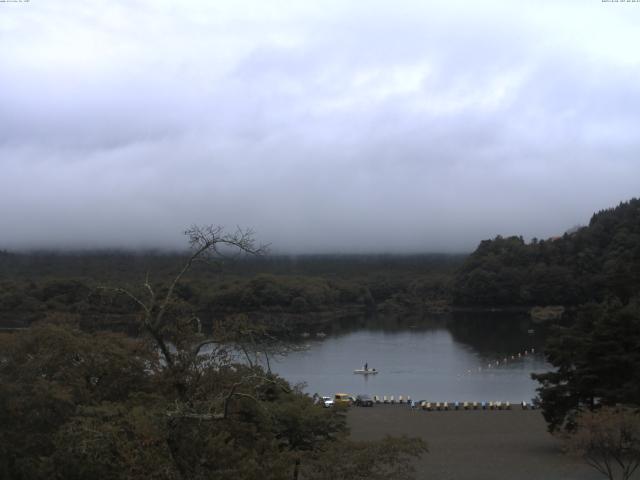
{"x": 368, "y": 371}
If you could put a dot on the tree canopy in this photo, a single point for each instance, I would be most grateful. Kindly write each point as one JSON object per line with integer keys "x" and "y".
{"x": 586, "y": 264}
{"x": 100, "y": 405}
{"x": 597, "y": 362}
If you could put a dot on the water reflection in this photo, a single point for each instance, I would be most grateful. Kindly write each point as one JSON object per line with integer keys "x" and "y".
{"x": 444, "y": 358}
{"x": 496, "y": 333}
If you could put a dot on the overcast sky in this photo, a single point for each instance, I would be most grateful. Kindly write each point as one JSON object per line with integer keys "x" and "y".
{"x": 346, "y": 126}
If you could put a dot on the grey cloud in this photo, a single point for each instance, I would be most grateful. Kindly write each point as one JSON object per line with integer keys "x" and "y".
{"x": 414, "y": 129}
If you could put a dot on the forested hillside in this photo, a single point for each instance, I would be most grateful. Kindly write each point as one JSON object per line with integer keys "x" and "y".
{"x": 589, "y": 264}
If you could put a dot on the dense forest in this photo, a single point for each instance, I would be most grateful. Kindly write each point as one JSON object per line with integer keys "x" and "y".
{"x": 301, "y": 290}
{"x": 587, "y": 264}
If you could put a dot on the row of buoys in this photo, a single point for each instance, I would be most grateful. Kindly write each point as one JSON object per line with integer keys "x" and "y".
{"x": 498, "y": 363}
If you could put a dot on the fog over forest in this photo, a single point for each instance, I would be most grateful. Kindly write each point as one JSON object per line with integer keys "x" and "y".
{"x": 326, "y": 126}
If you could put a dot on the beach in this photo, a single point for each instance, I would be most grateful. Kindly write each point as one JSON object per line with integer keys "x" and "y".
{"x": 475, "y": 444}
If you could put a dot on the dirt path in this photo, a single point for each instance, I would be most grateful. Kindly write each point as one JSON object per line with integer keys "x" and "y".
{"x": 474, "y": 445}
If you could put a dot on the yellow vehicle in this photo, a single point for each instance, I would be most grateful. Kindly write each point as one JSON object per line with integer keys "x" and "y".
{"x": 342, "y": 399}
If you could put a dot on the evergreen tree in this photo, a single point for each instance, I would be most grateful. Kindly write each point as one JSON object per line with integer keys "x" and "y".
{"x": 597, "y": 363}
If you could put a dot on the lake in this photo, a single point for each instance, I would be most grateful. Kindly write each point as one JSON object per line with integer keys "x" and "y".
{"x": 456, "y": 357}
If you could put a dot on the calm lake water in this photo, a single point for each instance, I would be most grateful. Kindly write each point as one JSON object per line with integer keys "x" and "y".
{"x": 453, "y": 358}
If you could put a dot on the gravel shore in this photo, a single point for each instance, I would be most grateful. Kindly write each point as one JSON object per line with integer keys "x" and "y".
{"x": 474, "y": 445}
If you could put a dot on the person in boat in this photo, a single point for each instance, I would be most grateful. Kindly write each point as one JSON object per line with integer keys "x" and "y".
{"x": 366, "y": 366}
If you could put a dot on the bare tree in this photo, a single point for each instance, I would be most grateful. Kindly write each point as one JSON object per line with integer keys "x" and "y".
{"x": 608, "y": 440}
{"x": 175, "y": 331}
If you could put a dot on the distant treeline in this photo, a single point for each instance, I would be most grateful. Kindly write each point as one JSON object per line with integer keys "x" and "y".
{"x": 37, "y": 284}
{"x": 589, "y": 264}
{"x": 592, "y": 263}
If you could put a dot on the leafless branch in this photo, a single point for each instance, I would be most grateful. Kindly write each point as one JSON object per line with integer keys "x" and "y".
{"x": 202, "y": 344}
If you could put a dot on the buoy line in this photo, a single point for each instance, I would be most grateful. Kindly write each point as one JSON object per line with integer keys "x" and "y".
{"x": 493, "y": 365}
